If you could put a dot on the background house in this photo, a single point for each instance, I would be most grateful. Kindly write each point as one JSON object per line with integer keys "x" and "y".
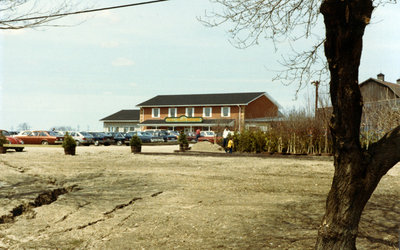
{"x": 122, "y": 121}
{"x": 381, "y": 111}
{"x": 379, "y": 90}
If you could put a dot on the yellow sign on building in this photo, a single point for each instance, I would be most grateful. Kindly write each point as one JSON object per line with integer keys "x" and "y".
{"x": 184, "y": 118}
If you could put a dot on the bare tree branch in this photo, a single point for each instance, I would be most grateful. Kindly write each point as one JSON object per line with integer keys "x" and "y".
{"x": 279, "y": 21}
{"x": 384, "y": 154}
{"x": 34, "y": 15}
{"x": 14, "y": 13}
{"x": 301, "y": 68}
{"x": 272, "y": 19}
{"x": 282, "y": 21}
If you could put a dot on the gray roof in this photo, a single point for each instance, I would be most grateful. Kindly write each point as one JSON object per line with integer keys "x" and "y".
{"x": 124, "y": 115}
{"x": 392, "y": 86}
{"x": 202, "y": 99}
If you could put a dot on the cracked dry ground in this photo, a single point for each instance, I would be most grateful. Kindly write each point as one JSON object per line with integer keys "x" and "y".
{"x": 108, "y": 198}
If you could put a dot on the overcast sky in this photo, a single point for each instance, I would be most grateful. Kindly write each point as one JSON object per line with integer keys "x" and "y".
{"x": 76, "y": 75}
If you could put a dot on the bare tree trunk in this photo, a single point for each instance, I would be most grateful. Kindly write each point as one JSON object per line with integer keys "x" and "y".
{"x": 345, "y": 22}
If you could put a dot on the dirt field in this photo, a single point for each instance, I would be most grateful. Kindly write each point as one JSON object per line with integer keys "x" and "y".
{"x": 108, "y": 198}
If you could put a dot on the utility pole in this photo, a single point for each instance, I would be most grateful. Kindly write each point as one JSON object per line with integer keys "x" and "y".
{"x": 316, "y": 83}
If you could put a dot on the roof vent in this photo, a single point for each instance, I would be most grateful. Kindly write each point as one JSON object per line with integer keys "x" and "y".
{"x": 381, "y": 77}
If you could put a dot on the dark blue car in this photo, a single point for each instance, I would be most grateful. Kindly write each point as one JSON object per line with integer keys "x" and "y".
{"x": 146, "y": 138}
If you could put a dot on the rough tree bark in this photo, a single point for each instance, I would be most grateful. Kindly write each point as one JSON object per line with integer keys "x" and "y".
{"x": 357, "y": 171}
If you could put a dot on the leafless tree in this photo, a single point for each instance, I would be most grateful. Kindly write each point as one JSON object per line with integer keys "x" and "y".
{"x": 357, "y": 170}
{"x": 281, "y": 21}
{"x": 23, "y": 126}
{"x": 19, "y": 14}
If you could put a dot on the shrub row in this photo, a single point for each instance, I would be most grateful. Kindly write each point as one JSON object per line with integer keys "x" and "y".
{"x": 278, "y": 140}
{"x": 284, "y": 137}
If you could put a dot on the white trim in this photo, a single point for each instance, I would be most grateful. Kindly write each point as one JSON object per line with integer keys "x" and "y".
{"x": 169, "y": 112}
{"x": 204, "y": 113}
{"x": 231, "y": 123}
{"x": 229, "y": 111}
{"x": 193, "y": 105}
{"x": 152, "y": 113}
{"x": 186, "y": 111}
{"x": 120, "y": 120}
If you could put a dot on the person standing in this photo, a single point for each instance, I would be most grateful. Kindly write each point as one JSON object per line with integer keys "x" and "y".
{"x": 225, "y": 135}
{"x": 197, "y": 134}
{"x": 230, "y": 144}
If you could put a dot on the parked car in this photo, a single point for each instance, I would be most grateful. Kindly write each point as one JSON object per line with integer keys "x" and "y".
{"x": 144, "y": 137}
{"x": 209, "y": 136}
{"x": 82, "y": 138}
{"x": 155, "y": 136}
{"x": 118, "y": 138}
{"x": 172, "y": 135}
{"x": 13, "y": 141}
{"x": 40, "y": 137}
{"x": 167, "y": 135}
{"x": 190, "y": 136}
{"x": 100, "y": 138}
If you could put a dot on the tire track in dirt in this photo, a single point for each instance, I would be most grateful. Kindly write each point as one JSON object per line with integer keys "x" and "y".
{"x": 16, "y": 168}
{"x": 44, "y": 198}
{"x": 109, "y": 214}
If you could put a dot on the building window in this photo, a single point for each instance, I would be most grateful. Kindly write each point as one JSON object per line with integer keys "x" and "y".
{"x": 225, "y": 111}
{"x": 207, "y": 112}
{"x": 189, "y": 112}
{"x": 155, "y": 112}
{"x": 172, "y": 112}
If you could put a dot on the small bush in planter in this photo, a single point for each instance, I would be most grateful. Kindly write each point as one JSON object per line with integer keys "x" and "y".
{"x": 69, "y": 145}
{"x": 182, "y": 141}
{"x": 3, "y": 140}
{"x": 136, "y": 144}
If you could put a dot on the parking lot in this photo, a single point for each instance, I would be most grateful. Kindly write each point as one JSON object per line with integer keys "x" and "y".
{"x": 109, "y": 198}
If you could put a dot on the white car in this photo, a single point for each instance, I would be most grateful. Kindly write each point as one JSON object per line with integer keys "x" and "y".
{"x": 82, "y": 138}
{"x": 207, "y": 134}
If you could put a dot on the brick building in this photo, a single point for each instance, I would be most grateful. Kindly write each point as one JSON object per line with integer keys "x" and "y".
{"x": 208, "y": 111}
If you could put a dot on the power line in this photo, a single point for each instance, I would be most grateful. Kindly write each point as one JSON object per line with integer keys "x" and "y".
{"x": 82, "y": 11}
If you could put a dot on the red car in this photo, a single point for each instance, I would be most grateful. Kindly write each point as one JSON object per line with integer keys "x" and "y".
{"x": 13, "y": 141}
{"x": 40, "y": 137}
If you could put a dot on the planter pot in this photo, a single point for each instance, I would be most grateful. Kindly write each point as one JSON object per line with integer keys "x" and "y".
{"x": 136, "y": 149}
{"x": 3, "y": 150}
{"x": 70, "y": 151}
